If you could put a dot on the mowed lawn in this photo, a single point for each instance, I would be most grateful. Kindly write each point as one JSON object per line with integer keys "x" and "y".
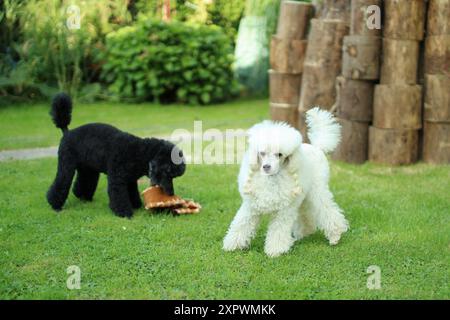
{"x": 400, "y": 222}
{"x": 28, "y": 126}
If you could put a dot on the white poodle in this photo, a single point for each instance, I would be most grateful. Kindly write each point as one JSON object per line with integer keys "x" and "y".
{"x": 287, "y": 179}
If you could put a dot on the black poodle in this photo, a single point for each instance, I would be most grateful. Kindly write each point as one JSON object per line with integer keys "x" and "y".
{"x": 100, "y": 148}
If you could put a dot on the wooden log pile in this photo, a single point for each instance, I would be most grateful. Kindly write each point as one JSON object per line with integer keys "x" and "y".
{"x": 355, "y": 87}
{"x": 391, "y": 94}
{"x": 397, "y": 115}
{"x": 436, "y": 131}
{"x": 287, "y": 54}
{"x": 323, "y": 60}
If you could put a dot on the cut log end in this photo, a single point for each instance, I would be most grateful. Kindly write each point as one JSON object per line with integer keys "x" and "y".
{"x": 436, "y": 142}
{"x": 287, "y": 55}
{"x": 294, "y": 19}
{"x": 354, "y": 142}
{"x": 284, "y": 87}
{"x": 392, "y": 146}
{"x": 355, "y": 99}
{"x": 404, "y": 19}
{"x": 400, "y": 62}
{"x": 437, "y": 98}
{"x": 360, "y": 15}
{"x": 361, "y": 57}
{"x": 438, "y": 17}
{"x": 284, "y": 112}
{"x": 397, "y": 107}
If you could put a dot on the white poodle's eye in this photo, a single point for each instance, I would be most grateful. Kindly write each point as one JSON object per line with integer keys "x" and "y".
{"x": 279, "y": 155}
{"x": 262, "y": 154}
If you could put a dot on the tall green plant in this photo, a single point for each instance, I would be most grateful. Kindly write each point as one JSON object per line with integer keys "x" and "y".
{"x": 62, "y": 56}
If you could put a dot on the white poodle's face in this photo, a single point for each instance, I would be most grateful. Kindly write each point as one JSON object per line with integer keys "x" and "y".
{"x": 271, "y": 146}
{"x": 270, "y": 162}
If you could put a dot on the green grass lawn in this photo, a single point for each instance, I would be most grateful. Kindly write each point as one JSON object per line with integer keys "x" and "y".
{"x": 399, "y": 222}
{"x": 25, "y": 126}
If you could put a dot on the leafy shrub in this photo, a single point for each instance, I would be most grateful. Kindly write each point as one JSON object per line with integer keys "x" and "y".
{"x": 168, "y": 62}
{"x": 47, "y": 56}
{"x": 227, "y": 14}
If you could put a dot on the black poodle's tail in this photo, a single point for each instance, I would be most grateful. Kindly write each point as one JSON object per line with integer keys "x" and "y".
{"x": 61, "y": 111}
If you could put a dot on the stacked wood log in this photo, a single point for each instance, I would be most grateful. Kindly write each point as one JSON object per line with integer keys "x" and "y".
{"x": 323, "y": 58}
{"x": 355, "y": 87}
{"x": 436, "y": 131}
{"x": 287, "y": 53}
{"x": 397, "y": 119}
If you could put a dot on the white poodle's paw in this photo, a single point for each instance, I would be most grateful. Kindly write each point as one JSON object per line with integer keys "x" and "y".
{"x": 334, "y": 238}
{"x": 334, "y": 235}
{"x": 233, "y": 241}
{"x": 297, "y": 234}
{"x": 273, "y": 249}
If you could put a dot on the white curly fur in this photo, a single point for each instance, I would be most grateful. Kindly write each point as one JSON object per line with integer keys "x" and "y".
{"x": 297, "y": 196}
{"x": 323, "y": 130}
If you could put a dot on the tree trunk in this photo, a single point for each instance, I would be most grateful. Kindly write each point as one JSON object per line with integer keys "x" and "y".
{"x": 361, "y": 57}
{"x": 354, "y": 144}
{"x": 397, "y": 107}
{"x": 399, "y": 63}
{"x": 323, "y": 63}
{"x": 293, "y": 19}
{"x": 393, "y": 146}
{"x": 355, "y": 99}
{"x": 436, "y": 142}
{"x": 437, "y": 55}
{"x": 359, "y": 16}
{"x": 438, "y": 18}
{"x": 334, "y": 10}
{"x": 284, "y": 87}
{"x": 287, "y": 55}
{"x": 318, "y": 87}
{"x": 284, "y": 112}
{"x": 325, "y": 43}
{"x": 404, "y": 19}
{"x": 437, "y": 98}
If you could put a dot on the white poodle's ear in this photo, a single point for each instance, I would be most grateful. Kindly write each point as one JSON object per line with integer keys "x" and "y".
{"x": 253, "y": 159}
{"x": 293, "y": 162}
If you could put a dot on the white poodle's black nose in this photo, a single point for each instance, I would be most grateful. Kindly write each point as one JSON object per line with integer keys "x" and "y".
{"x": 266, "y": 167}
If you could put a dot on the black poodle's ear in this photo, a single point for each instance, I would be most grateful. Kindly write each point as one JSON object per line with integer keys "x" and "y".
{"x": 150, "y": 166}
{"x": 152, "y": 172}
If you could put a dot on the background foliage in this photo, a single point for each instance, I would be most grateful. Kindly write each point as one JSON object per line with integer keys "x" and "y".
{"x": 39, "y": 55}
{"x": 46, "y": 56}
{"x": 154, "y": 60}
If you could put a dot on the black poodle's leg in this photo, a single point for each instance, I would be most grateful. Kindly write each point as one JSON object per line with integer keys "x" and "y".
{"x": 59, "y": 190}
{"x": 119, "y": 201}
{"x": 135, "y": 198}
{"x": 85, "y": 183}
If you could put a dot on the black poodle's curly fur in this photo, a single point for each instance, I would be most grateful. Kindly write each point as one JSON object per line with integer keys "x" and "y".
{"x": 100, "y": 148}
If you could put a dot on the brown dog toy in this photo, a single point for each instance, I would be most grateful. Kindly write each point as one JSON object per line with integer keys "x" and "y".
{"x": 154, "y": 197}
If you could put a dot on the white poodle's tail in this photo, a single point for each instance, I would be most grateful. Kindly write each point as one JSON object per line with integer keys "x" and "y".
{"x": 323, "y": 130}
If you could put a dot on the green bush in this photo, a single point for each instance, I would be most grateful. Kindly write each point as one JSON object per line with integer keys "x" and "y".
{"x": 168, "y": 62}
{"x": 40, "y": 55}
